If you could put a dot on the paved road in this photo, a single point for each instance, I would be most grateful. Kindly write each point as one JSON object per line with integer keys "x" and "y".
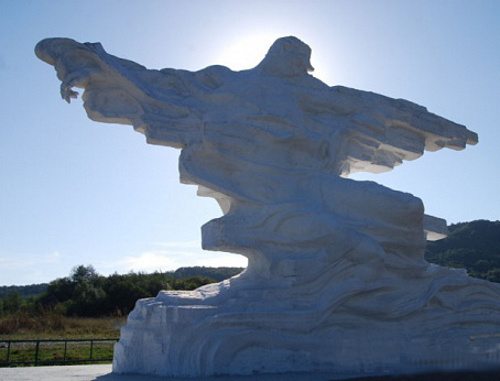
{"x": 103, "y": 373}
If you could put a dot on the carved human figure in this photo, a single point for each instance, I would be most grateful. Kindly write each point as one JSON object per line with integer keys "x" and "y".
{"x": 267, "y": 137}
{"x": 331, "y": 260}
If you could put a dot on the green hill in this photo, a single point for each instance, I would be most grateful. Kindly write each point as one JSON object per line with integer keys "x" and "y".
{"x": 474, "y": 246}
{"x": 24, "y": 291}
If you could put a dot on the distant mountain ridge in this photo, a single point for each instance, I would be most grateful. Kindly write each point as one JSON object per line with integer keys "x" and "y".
{"x": 24, "y": 291}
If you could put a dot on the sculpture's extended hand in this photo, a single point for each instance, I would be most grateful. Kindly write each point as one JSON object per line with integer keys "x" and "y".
{"x": 74, "y": 63}
{"x": 80, "y": 78}
{"x": 67, "y": 93}
{"x": 67, "y": 85}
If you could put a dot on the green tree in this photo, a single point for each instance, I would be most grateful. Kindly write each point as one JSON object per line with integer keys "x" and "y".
{"x": 11, "y": 303}
{"x": 84, "y": 274}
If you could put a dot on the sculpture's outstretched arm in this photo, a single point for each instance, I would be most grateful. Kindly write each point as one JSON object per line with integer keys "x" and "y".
{"x": 382, "y": 132}
{"x": 75, "y": 63}
{"x": 122, "y": 91}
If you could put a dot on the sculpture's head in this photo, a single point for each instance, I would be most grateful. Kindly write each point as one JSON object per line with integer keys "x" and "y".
{"x": 288, "y": 57}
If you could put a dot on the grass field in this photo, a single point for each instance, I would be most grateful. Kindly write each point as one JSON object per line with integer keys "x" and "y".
{"x": 53, "y": 326}
{"x": 60, "y": 352}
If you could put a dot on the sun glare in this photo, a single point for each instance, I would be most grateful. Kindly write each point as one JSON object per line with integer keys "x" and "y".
{"x": 247, "y": 52}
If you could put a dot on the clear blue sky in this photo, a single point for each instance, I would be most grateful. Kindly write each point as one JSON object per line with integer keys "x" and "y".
{"x": 76, "y": 192}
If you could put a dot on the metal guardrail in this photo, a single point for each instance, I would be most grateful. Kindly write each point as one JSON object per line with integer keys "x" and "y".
{"x": 58, "y": 358}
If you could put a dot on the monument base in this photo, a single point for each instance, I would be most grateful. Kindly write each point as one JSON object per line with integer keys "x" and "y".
{"x": 441, "y": 320}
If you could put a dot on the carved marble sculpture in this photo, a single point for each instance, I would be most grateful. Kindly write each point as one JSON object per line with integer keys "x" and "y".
{"x": 336, "y": 278}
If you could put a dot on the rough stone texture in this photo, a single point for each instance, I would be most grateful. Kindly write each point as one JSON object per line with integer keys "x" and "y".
{"x": 336, "y": 280}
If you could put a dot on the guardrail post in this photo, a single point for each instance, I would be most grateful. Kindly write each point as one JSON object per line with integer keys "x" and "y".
{"x": 91, "y": 348}
{"x": 37, "y": 347}
{"x": 8, "y": 351}
{"x": 65, "y": 350}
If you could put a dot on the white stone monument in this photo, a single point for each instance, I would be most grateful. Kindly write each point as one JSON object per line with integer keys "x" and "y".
{"x": 336, "y": 280}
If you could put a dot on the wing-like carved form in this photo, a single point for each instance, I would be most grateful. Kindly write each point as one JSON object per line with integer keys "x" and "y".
{"x": 366, "y": 131}
{"x": 380, "y": 132}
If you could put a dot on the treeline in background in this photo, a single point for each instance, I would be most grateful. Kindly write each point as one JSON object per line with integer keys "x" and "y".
{"x": 87, "y": 294}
